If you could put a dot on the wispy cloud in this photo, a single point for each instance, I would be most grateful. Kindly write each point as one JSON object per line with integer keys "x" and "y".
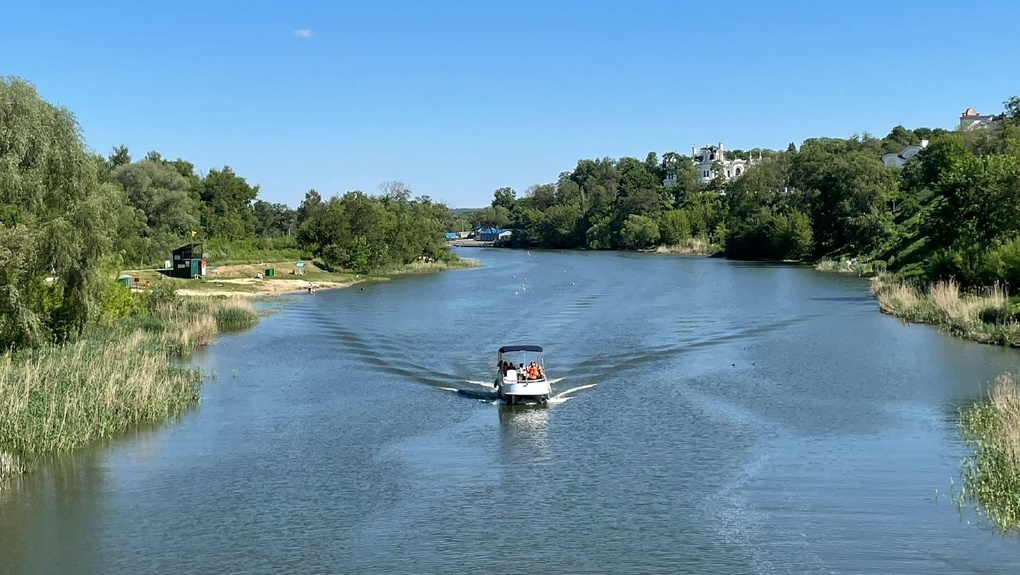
{"x": 304, "y": 32}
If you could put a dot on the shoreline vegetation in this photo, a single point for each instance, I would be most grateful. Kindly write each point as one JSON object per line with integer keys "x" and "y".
{"x": 991, "y": 471}
{"x": 82, "y": 357}
{"x": 60, "y": 397}
{"x": 985, "y": 315}
{"x": 945, "y": 221}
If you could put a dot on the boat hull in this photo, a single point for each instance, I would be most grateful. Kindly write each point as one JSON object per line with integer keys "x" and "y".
{"x": 523, "y": 391}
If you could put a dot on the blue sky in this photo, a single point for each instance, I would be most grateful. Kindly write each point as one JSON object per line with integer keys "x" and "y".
{"x": 457, "y": 98}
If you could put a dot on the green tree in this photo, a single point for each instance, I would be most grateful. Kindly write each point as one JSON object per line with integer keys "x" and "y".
{"x": 227, "y": 205}
{"x": 639, "y": 232}
{"x": 675, "y": 227}
{"x": 310, "y": 206}
{"x": 505, "y": 198}
{"x": 57, "y": 221}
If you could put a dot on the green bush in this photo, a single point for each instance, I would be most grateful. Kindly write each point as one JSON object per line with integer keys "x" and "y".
{"x": 162, "y": 295}
{"x": 119, "y": 302}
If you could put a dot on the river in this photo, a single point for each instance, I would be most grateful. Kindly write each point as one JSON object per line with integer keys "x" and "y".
{"x": 712, "y": 417}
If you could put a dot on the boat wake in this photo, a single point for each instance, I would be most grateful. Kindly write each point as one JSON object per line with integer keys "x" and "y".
{"x": 562, "y": 396}
{"x": 481, "y": 383}
{"x": 489, "y": 396}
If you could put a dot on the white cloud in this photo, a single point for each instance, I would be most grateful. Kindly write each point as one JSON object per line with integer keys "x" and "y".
{"x": 304, "y": 32}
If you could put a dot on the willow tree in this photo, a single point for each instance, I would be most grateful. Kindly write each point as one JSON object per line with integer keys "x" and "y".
{"x": 54, "y": 221}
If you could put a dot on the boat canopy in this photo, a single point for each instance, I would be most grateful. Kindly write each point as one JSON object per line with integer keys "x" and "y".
{"x": 511, "y": 348}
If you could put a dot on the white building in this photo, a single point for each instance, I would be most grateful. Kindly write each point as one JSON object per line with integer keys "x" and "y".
{"x": 897, "y": 160}
{"x": 705, "y": 160}
{"x": 971, "y": 120}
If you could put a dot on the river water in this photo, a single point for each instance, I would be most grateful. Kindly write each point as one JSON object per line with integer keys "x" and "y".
{"x": 712, "y": 417}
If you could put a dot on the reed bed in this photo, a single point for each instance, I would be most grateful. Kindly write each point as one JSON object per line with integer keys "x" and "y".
{"x": 61, "y": 397}
{"x": 983, "y": 315}
{"x": 58, "y": 398}
{"x": 991, "y": 473}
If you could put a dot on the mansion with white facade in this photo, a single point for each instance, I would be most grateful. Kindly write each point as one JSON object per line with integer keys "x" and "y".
{"x": 705, "y": 160}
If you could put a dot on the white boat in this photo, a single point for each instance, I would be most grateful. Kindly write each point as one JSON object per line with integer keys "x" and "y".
{"x": 520, "y": 375}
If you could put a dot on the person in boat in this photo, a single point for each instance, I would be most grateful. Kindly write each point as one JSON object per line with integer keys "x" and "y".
{"x": 521, "y": 373}
{"x": 541, "y": 372}
{"x": 533, "y": 371}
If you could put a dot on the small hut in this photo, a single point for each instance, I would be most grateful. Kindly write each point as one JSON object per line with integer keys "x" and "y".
{"x": 187, "y": 262}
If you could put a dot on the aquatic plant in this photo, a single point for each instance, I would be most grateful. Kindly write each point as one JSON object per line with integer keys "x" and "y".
{"x": 234, "y": 314}
{"x": 60, "y": 397}
{"x": 991, "y": 472}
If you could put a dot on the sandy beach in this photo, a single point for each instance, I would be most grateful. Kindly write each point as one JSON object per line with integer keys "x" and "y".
{"x": 264, "y": 287}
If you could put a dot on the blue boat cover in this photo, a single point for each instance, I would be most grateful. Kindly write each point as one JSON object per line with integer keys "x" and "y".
{"x": 509, "y": 348}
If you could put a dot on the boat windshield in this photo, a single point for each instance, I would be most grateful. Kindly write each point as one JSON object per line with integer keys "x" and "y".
{"x": 522, "y": 365}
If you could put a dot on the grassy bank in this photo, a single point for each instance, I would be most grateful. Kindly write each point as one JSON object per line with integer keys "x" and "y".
{"x": 61, "y": 397}
{"x": 987, "y": 315}
{"x": 991, "y": 473}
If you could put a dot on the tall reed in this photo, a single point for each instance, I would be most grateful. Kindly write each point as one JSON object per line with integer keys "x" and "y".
{"x": 61, "y": 397}
{"x": 991, "y": 472}
{"x": 982, "y": 315}
{"x": 58, "y": 398}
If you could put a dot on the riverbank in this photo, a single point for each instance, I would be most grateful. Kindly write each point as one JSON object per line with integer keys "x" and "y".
{"x": 990, "y": 427}
{"x": 253, "y": 279}
{"x": 61, "y": 397}
{"x": 987, "y": 315}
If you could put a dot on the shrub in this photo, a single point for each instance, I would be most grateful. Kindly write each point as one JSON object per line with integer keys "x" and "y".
{"x": 162, "y": 296}
{"x": 119, "y": 302}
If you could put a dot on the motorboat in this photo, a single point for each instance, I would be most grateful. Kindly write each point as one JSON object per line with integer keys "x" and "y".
{"x": 520, "y": 375}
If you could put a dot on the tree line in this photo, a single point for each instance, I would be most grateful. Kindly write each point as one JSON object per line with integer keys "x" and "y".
{"x": 70, "y": 219}
{"x": 951, "y": 211}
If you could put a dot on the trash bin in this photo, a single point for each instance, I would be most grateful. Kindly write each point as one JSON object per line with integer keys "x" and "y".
{"x": 270, "y": 272}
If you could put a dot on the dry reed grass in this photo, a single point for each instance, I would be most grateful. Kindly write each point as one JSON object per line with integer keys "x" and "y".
{"x": 944, "y": 304}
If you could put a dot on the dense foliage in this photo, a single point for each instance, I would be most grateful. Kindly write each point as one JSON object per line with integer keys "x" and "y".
{"x": 71, "y": 219}
{"x": 363, "y": 233}
{"x": 55, "y": 223}
{"x": 952, "y": 211}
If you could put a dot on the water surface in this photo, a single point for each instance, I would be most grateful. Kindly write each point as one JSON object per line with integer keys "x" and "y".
{"x": 725, "y": 418}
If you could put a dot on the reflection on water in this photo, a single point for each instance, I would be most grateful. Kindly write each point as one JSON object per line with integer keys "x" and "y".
{"x": 528, "y": 423}
{"x": 707, "y": 417}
